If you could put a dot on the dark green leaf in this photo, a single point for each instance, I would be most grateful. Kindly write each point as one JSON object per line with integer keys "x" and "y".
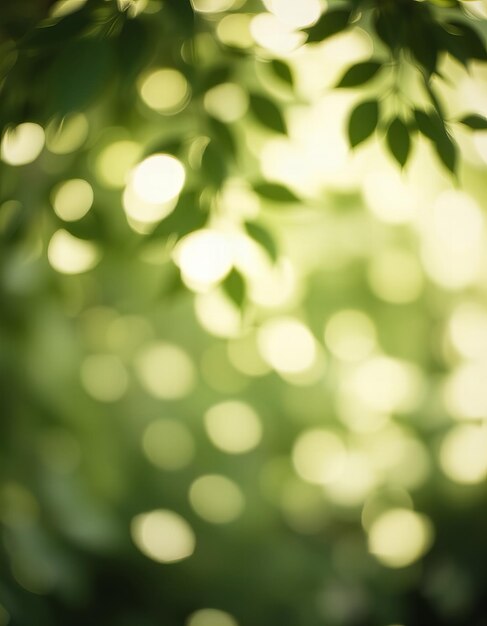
{"x": 234, "y": 287}
{"x": 433, "y": 97}
{"x": 263, "y": 237}
{"x": 282, "y": 71}
{"x": 330, "y": 23}
{"x": 398, "y": 140}
{"x": 133, "y": 50}
{"x": 79, "y": 75}
{"x": 223, "y": 136}
{"x": 213, "y": 164}
{"x": 433, "y": 128}
{"x": 363, "y": 122}
{"x": 388, "y": 26}
{"x": 276, "y": 193}
{"x": 474, "y": 121}
{"x": 423, "y": 47}
{"x": 55, "y": 32}
{"x": 471, "y": 42}
{"x": 359, "y": 74}
{"x": 267, "y": 113}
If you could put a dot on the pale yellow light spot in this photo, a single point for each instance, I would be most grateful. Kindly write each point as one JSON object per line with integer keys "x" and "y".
{"x": 296, "y": 14}
{"x": 400, "y": 537}
{"x": 234, "y": 30}
{"x": 142, "y": 214}
{"x": 468, "y": 330}
{"x": 165, "y": 371}
{"x": 390, "y": 197}
{"x": 350, "y": 335}
{"x": 463, "y": 454}
{"x": 357, "y": 417}
{"x": 211, "y": 617}
{"x": 216, "y": 499}
{"x": 386, "y": 385}
{"x": 115, "y": 161}
{"x": 104, "y": 377}
{"x": 69, "y": 135}
{"x": 355, "y": 481}
{"x": 69, "y": 255}
{"x": 395, "y": 276}
{"x": 233, "y": 426}
{"x": 158, "y": 178}
{"x": 163, "y": 536}
{"x": 238, "y": 200}
{"x": 72, "y": 199}
{"x": 217, "y": 314}
{"x": 454, "y": 240}
{"x": 204, "y": 258}
{"x": 271, "y": 286}
{"x": 165, "y": 90}
{"x": 22, "y": 144}
{"x": 384, "y": 500}
{"x": 212, "y": 6}
{"x": 287, "y": 345}
{"x": 391, "y": 450}
{"x": 465, "y": 391}
{"x": 319, "y": 456}
{"x": 270, "y": 33}
{"x": 168, "y": 444}
{"x": 227, "y": 102}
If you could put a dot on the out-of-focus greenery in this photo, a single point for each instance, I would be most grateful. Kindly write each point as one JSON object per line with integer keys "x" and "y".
{"x": 243, "y": 343}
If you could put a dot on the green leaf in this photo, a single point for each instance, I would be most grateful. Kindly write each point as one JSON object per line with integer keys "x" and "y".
{"x": 329, "y": 24}
{"x": 362, "y": 122}
{"x": 472, "y": 42}
{"x": 133, "y": 50}
{"x": 359, "y": 74}
{"x": 423, "y": 47}
{"x": 276, "y": 193}
{"x": 213, "y": 164}
{"x": 263, "y": 237}
{"x": 282, "y": 71}
{"x": 54, "y": 32}
{"x": 389, "y": 27}
{"x": 474, "y": 121}
{"x": 267, "y": 113}
{"x": 398, "y": 140}
{"x": 234, "y": 287}
{"x": 223, "y": 136}
{"x": 432, "y": 127}
{"x": 79, "y": 74}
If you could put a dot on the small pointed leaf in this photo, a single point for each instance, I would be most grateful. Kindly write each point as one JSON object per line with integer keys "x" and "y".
{"x": 267, "y": 113}
{"x": 398, "y": 141}
{"x": 359, "y": 74}
{"x": 363, "y": 122}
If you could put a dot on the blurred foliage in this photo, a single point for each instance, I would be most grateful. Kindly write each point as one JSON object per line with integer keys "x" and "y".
{"x": 243, "y": 311}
